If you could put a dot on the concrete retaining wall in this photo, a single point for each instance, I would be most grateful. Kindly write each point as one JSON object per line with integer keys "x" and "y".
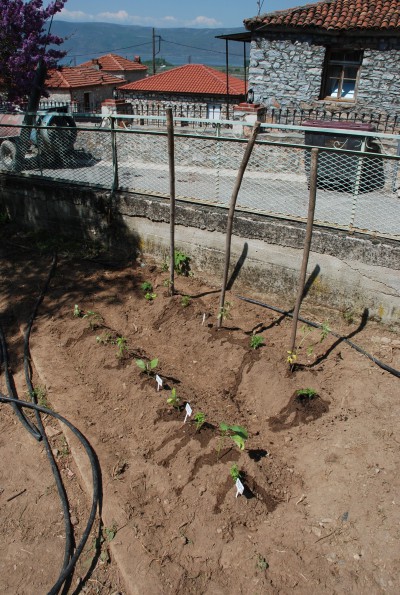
{"x": 352, "y": 272}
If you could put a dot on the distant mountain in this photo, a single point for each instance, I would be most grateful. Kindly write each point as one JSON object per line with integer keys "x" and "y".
{"x": 178, "y": 46}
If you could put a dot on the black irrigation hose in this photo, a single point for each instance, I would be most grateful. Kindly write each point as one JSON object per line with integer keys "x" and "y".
{"x": 67, "y": 571}
{"x": 70, "y": 558}
{"x": 56, "y": 472}
{"x": 28, "y": 425}
{"x": 319, "y": 326}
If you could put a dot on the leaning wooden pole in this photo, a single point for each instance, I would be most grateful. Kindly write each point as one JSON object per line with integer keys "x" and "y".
{"x": 306, "y": 253}
{"x": 171, "y": 160}
{"x": 235, "y": 192}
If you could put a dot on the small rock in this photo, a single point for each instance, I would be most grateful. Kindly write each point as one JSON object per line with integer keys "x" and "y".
{"x": 357, "y": 557}
{"x": 317, "y": 531}
{"x": 288, "y": 438}
{"x": 219, "y": 530}
{"x": 331, "y": 557}
{"x": 55, "y": 452}
{"x": 74, "y": 521}
{"x": 202, "y": 489}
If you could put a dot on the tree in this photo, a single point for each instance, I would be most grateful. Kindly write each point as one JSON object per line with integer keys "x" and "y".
{"x": 24, "y": 40}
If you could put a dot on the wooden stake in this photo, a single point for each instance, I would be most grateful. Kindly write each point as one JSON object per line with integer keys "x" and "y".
{"x": 238, "y": 183}
{"x": 171, "y": 159}
{"x": 306, "y": 250}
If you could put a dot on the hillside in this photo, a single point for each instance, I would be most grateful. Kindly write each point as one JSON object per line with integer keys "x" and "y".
{"x": 178, "y": 46}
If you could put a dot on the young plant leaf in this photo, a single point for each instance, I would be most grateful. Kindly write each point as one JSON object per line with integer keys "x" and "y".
{"x": 140, "y": 363}
{"x": 238, "y": 440}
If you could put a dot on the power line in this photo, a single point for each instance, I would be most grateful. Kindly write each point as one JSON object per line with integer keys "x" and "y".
{"x": 197, "y": 48}
{"x": 127, "y": 47}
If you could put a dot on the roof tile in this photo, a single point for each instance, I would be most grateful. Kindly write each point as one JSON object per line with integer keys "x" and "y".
{"x": 73, "y": 77}
{"x": 334, "y": 14}
{"x": 114, "y": 62}
{"x": 191, "y": 78}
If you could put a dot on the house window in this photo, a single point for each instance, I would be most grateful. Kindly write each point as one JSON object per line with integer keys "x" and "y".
{"x": 341, "y": 74}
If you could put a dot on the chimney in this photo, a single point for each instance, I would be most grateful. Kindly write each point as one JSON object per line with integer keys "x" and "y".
{"x": 137, "y": 59}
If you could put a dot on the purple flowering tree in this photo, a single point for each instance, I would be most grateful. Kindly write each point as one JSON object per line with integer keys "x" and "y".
{"x": 24, "y": 39}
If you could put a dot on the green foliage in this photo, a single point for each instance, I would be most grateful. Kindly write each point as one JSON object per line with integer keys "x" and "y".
{"x": 181, "y": 263}
{"x": 110, "y": 532}
{"x": 256, "y": 341}
{"x": 122, "y": 346}
{"x": 105, "y": 338}
{"x": 261, "y": 563}
{"x": 39, "y": 395}
{"x": 150, "y": 296}
{"x": 225, "y": 311}
{"x": 234, "y": 472}
{"x": 4, "y": 217}
{"x": 77, "y": 311}
{"x": 199, "y": 419}
{"x": 238, "y": 434}
{"x": 309, "y": 393}
{"x": 146, "y": 286}
{"x": 95, "y": 320}
{"x": 147, "y": 367}
{"x": 173, "y": 399}
{"x": 348, "y": 315}
{"x": 185, "y": 301}
{"x": 325, "y": 330}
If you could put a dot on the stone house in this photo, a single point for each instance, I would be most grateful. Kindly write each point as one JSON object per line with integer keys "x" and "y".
{"x": 82, "y": 88}
{"x": 334, "y": 55}
{"x": 192, "y": 90}
{"x": 130, "y": 70}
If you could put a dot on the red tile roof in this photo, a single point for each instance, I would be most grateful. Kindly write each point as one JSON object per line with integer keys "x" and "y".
{"x": 380, "y": 15}
{"x": 114, "y": 62}
{"x": 191, "y": 78}
{"x": 73, "y": 77}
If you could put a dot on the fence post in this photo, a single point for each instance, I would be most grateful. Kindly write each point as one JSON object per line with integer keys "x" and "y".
{"x": 306, "y": 253}
{"x": 115, "y": 182}
{"x": 171, "y": 159}
{"x": 231, "y": 213}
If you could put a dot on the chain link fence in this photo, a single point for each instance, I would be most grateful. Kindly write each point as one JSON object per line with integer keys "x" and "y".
{"x": 358, "y": 186}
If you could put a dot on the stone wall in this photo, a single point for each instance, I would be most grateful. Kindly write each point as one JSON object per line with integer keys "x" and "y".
{"x": 286, "y": 72}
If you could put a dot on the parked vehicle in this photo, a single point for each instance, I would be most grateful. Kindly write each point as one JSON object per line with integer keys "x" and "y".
{"x": 54, "y": 134}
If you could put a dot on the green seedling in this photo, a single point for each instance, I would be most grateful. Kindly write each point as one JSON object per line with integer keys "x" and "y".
{"x": 147, "y": 367}
{"x": 39, "y": 395}
{"x": 348, "y": 315}
{"x": 146, "y": 286}
{"x": 167, "y": 283}
{"x": 308, "y": 393}
{"x": 122, "y": 346}
{"x": 238, "y": 434}
{"x": 256, "y": 341}
{"x": 181, "y": 263}
{"x": 173, "y": 399}
{"x": 150, "y": 296}
{"x": 94, "y": 319}
{"x": 185, "y": 301}
{"x": 261, "y": 563}
{"x": 110, "y": 532}
{"x": 77, "y": 311}
{"x": 235, "y": 473}
{"x": 199, "y": 419}
{"x": 325, "y": 330}
{"x": 225, "y": 311}
{"x": 105, "y": 338}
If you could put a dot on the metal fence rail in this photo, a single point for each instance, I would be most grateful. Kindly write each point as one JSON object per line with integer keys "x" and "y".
{"x": 358, "y": 189}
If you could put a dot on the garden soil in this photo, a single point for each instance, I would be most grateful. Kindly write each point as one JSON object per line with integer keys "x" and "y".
{"x": 320, "y": 507}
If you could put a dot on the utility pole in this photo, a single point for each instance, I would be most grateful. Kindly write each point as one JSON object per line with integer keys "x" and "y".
{"x": 259, "y": 6}
{"x": 155, "y": 53}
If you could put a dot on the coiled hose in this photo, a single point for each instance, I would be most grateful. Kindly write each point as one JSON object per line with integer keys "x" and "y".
{"x": 70, "y": 557}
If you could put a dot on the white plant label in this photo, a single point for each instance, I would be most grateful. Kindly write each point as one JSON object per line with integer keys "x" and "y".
{"x": 239, "y": 487}
{"x": 189, "y": 412}
{"x": 159, "y": 382}
{"x": 204, "y": 319}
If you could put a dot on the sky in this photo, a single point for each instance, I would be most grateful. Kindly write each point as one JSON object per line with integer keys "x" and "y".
{"x": 171, "y": 13}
